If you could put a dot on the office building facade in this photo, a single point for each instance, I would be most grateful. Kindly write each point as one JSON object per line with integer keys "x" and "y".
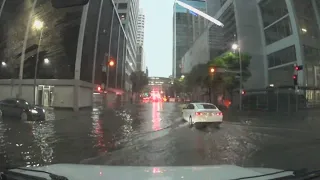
{"x": 278, "y": 34}
{"x": 141, "y": 65}
{"x": 54, "y": 57}
{"x": 140, "y": 41}
{"x": 128, "y": 11}
{"x": 141, "y": 23}
{"x": 187, "y": 27}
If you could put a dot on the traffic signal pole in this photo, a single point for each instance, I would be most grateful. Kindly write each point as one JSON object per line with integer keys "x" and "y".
{"x": 212, "y": 70}
{"x": 297, "y": 68}
{"x": 240, "y": 90}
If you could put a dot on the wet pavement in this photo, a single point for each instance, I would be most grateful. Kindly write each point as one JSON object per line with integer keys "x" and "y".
{"x": 153, "y": 134}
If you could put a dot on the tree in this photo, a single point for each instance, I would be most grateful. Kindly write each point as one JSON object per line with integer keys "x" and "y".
{"x": 139, "y": 80}
{"x": 179, "y": 85}
{"x": 230, "y": 61}
{"x": 197, "y": 76}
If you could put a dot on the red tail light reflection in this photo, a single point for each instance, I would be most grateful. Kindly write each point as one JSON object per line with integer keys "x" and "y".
{"x": 219, "y": 114}
{"x": 198, "y": 113}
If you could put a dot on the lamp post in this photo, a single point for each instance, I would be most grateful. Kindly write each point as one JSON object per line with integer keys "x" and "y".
{"x": 236, "y": 47}
{"x": 38, "y": 26}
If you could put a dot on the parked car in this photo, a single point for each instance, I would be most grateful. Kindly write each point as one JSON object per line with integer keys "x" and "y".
{"x": 21, "y": 109}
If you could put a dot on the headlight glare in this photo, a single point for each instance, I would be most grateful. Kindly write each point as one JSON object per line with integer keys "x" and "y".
{"x": 33, "y": 111}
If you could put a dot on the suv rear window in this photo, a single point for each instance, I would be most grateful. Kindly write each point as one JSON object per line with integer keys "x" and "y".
{"x": 206, "y": 106}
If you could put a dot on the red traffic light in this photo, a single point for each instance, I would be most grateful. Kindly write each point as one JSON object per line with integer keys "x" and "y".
{"x": 294, "y": 76}
{"x": 243, "y": 92}
{"x": 298, "y": 68}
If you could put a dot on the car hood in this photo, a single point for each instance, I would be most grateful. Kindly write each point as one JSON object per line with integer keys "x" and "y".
{"x": 221, "y": 172}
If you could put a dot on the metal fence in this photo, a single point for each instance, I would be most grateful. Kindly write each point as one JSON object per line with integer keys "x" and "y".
{"x": 285, "y": 99}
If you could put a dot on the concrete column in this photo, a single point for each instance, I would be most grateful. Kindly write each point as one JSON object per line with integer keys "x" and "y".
{"x": 96, "y": 50}
{"x": 77, "y": 69}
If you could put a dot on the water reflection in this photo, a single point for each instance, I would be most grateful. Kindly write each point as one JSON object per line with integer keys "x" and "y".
{"x": 2, "y": 145}
{"x": 43, "y": 133}
{"x": 126, "y": 128}
{"x": 156, "y": 116}
{"x": 97, "y": 131}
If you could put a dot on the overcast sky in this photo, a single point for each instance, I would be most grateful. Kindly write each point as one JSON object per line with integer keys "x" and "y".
{"x": 158, "y": 36}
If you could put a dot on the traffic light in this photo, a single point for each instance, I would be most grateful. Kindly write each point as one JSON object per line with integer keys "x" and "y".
{"x": 243, "y": 92}
{"x": 298, "y": 68}
{"x": 295, "y": 79}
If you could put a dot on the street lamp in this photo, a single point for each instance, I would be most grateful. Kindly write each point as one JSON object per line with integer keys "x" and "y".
{"x": 38, "y": 26}
{"x": 46, "y": 61}
{"x": 236, "y": 47}
{"x": 3, "y": 64}
{"x": 215, "y": 21}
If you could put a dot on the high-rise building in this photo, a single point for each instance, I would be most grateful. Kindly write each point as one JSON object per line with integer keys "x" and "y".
{"x": 187, "y": 27}
{"x": 58, "y": 60}
{"x": 140, "y": 40}
{"x": 141, "y": 66}
{"x": 276, "y": 33}
{"x": 141, "y": 22}
{"x": 128, "y": 11}
{"x": 241, "y": 26}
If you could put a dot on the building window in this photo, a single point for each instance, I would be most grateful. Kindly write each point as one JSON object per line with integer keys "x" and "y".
{"x": 306, "y": 18}
{"x": 272, "y": 10}
{"x": 221, "y": 39}
{"x": 311, "y": 55}
{"x": 311, "y": 66}
{"x": 278, "y": 31}
{"x": 123, "y": 16}
{"x": 281, "y": 76}
{"x": 283, "y": 56}
{"x": 122, "y": 6}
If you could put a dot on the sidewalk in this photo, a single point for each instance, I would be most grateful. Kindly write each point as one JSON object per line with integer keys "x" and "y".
{"x": 304, "y": 120}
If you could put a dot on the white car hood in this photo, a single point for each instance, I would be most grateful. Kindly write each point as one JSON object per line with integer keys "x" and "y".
{"x": 94, "y": 172}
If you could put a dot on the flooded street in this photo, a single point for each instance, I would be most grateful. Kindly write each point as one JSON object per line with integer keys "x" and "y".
{"x": 152, "y": 134}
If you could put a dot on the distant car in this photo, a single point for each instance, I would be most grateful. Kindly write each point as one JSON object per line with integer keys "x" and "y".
{"x": 22, "y": 109}
{"x": 202, "y": 114}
